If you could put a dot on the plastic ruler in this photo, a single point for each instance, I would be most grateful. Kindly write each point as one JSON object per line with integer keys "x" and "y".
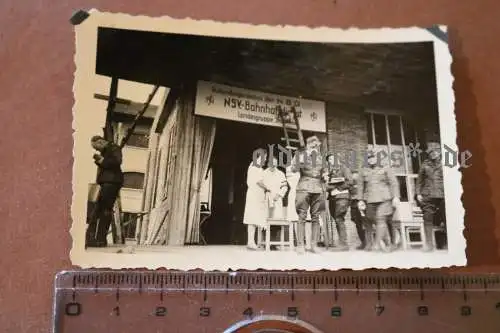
{"x": 299, "y": 302}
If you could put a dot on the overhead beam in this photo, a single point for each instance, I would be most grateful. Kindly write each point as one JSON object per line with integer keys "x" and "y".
{"x": 117, "y": 100}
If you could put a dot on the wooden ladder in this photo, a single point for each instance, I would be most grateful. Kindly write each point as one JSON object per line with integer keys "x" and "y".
{"x": 293, "y": 136}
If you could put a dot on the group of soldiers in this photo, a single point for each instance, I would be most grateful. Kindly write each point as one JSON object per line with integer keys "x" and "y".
{"x": 372, "y": 195}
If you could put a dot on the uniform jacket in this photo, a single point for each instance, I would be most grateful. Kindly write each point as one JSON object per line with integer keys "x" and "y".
{"x": 377, "y": 185}
{"x": 109, "y": 170}
{"x": 340, "y": 172}
{"x": 430, "y": 180}
{"x": 311, "y": 167}
{"x": 353, "y": 190}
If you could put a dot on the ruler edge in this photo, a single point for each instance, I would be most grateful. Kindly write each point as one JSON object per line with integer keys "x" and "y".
{"x": 359, "y": 277}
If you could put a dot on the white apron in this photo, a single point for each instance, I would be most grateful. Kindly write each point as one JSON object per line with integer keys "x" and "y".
{"x": 274, "y": 181}
{"x": 255, "y": 202}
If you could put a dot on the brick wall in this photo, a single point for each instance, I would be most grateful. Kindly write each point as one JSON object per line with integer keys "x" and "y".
{"x": 346, "y": 129}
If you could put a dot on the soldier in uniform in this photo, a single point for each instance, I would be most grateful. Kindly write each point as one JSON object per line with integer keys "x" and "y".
{"x": 378, "y": 189}
{"x": 430, "y": 193}
{"x": 338, "y": 182}
{"x": 310, "y": 191}
{"x": 356, "y": 213}
{"x": 110, "y": 180}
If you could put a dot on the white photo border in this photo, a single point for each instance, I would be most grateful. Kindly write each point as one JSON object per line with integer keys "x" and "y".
{"x": 179, "y": 258}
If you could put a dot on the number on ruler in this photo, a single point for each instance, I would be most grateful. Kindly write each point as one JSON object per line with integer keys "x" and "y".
{"x": 336, "y": 311}
{"x": 161, "y": 311}
{"x": 248, "y": 312}
{"x": 116, "y": 310}
{"x": 292, "y": 312}
{"x": 423, "y": 310}
{"x": 205, "y": 312}
{"x": 73, "y": 309}
{"x": 465, "y": 310}
{"x": 379, "y": 309}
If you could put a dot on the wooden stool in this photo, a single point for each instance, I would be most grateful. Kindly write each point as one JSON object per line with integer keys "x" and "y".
{"x": 411, "y": 227}
{"x": 282, "y": 223}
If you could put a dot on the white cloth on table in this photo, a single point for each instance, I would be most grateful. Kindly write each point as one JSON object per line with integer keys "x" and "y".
{"x": 275, "y": 181}
{"x": 255, "y": 202}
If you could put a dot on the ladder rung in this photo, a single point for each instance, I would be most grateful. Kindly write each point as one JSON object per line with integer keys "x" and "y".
{"x": 291, "y": 130}
{"x": 290, "y": 140}
{"x": 291, "y": 147}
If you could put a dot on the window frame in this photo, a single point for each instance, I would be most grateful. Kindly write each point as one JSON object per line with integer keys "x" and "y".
{"x": 408, "y": 174}
{"x": 142, "y": 174}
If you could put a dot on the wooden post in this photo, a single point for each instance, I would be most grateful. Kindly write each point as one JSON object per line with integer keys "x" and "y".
{"x": 109, "y": 136}
{"x": 113, "y": 92}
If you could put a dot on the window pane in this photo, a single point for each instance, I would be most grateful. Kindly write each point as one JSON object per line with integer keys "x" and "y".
{"x": 402, "y": 188}
{"x": 133, "y": 180}
{"x": 380, "y": 129}
{"x": 138, "y": 140}
{"x": 412, "y": 145}
{"x": 409, "y": 132}
{"x": 369, "y": 129}
{"x": 395, "y": 130}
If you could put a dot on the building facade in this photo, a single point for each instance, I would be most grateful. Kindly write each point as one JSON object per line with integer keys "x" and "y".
{"x": 198, "y": 163}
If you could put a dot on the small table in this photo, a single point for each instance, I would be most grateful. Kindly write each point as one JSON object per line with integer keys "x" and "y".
{"x": 282, "y": 223}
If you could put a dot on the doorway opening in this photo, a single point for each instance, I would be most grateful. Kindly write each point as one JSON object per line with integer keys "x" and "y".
{"x": 231, "y": 156}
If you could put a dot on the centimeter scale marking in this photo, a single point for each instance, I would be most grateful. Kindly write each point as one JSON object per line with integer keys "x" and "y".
{"x": 102, "y": 301}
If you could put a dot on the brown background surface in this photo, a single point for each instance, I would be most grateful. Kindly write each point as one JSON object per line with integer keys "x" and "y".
{"x": 36, "y": 78}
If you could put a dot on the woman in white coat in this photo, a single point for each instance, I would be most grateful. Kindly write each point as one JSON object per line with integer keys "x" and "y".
{"x": 256, "y": 210}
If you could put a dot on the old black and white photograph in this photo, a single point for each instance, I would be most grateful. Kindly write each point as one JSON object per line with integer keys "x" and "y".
{"x": 230, "y": 146}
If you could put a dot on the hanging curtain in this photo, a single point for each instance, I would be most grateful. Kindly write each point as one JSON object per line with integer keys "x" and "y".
{"x": 204, "y": 135}
{"x": 195, "y": 136}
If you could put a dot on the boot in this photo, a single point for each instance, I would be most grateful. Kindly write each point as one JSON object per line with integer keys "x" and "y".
{"x": 388, "y": 241}
{"x": 315, "y": 237}
{"x": 362, "y": 236}
{"x": 341, "y": 228}
{"x": 380, "y": 234}
{"x": 103, "y": 227}
{"x": 368, "y": 237}
{"x": 308, "y": 235}
{"x": 428, "y": 230}
{"x": 301, "y": 231}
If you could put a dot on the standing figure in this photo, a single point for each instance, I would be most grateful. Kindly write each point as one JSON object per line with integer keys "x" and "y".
{"x": 275, "y": 182}
{"x": 356, "y": 212}
{"x": 292, "y": 179}
{"x": 338, "y": 182}
{"x": 110, "y": 180}
{"x": 291, "y": 211}
{"x": 255, "y": 214}
{"x": 378, "y": 189}
{"x": 310, "y": 191}
{"x": 430, "y": 193}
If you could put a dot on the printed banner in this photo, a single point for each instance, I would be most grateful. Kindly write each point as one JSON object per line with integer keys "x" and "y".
{"x": 237, "y": 104}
